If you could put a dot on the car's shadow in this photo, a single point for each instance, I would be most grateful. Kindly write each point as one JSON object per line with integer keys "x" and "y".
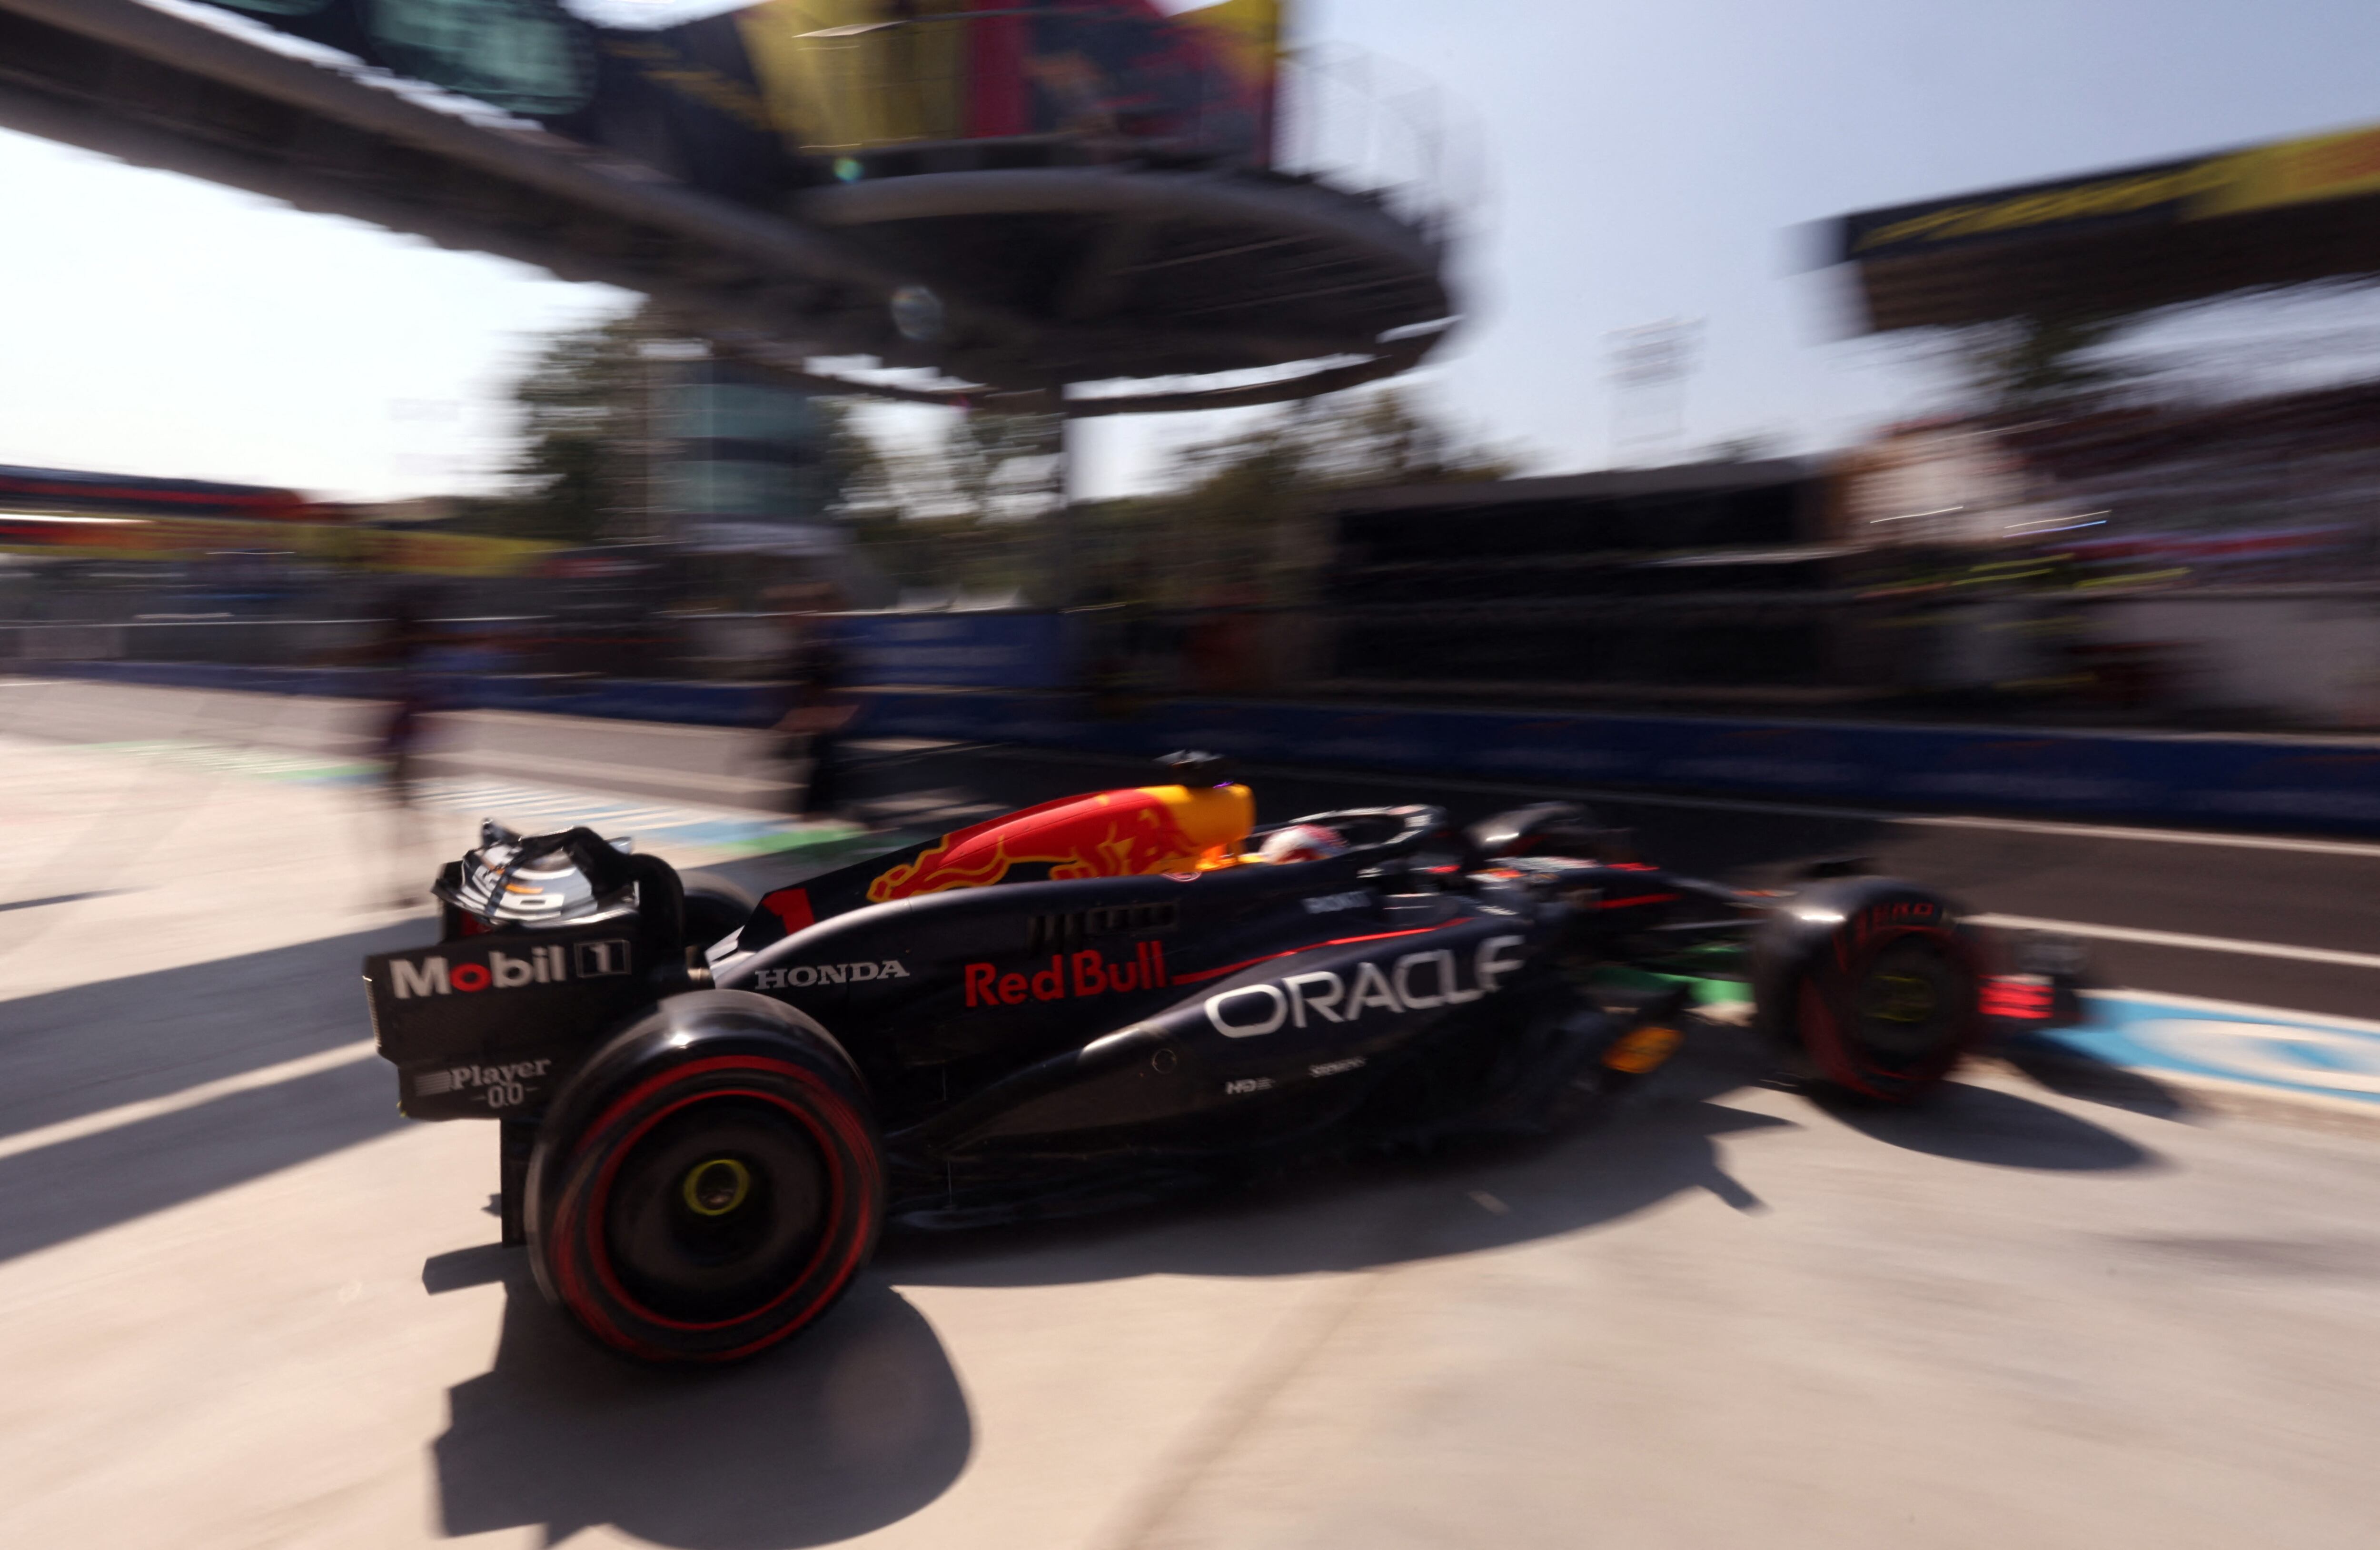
{"x": 1362, "y": 1214}
{"x": 857, "y": 1424}
{"x": 862, "y": 1420}
{"x": 1993, "y": 1126}
{"x": 1359, "y": 1215}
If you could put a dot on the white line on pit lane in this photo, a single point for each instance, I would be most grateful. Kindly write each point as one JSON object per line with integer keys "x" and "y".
{"x": 474, "y": 760}
{"x": 190, "y": 1097}
{"x": 1937, "y": 821}
{"x": 2180, "y": 939}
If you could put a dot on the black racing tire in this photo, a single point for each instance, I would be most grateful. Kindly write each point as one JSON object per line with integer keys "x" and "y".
{"x": 714, "y": 910}
{"x": 1874, "y": 989}
{"x": 709, "y": 1184}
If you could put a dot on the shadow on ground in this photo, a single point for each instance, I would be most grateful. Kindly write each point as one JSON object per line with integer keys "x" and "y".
{"x": 856, "y": 1424}
{"x": 89, "y": 1047}
{"x": 78, "y": 1052}
{"x": 72, "y": 1052}
{"x": 1988, "y": 1125}
{"x": 861, "y": 1421}
{"x": 2074, "y": 1073}
{"x": 1345, "y": 1216}
{"x": 1352, "y": 1216}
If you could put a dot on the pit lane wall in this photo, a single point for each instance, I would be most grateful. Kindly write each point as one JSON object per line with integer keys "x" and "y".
{"x": 2320, "y": 785}
{"x": 2316, "y": 785}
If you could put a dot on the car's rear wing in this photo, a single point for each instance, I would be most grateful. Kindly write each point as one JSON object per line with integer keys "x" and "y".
{"x": 485, "y": 1028}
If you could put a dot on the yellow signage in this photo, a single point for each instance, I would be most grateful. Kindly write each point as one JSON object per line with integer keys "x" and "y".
{"x": 2299, "y": 172}
{"x": 172, "y": 538}
{"x": 2339, "y": 166}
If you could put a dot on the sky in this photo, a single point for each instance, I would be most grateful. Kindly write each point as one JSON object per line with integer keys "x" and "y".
{"x": 1639, "y": 164}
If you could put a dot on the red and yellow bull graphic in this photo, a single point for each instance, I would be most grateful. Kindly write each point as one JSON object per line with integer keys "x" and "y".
{"x": 1133, "y": 833}
{"x": 1136, "y": 833}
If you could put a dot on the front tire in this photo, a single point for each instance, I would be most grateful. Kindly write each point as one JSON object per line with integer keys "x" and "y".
{"x": 709, "y": 1184}
{"x": 1871, "y": 987}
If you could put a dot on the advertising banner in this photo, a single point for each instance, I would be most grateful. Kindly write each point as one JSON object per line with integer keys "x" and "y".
{"x": 754, "y": 100}
{"x": 1001, "y": 651}
{"x": 174, "y": 538}
{"x": 2317, "y": 167}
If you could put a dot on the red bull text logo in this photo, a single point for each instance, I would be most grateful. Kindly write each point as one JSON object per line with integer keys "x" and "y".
{"x": 1069, "y": 976}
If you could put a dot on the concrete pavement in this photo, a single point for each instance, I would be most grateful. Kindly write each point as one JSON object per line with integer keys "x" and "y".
{"x": 275, "y": 1316}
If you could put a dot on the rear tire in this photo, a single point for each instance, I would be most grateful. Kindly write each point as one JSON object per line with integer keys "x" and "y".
{"x": 709, "y": 1184}
{"x": 714, "y": 911}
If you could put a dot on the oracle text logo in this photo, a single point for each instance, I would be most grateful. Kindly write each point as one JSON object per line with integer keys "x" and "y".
{"x": 1417, "y": 982}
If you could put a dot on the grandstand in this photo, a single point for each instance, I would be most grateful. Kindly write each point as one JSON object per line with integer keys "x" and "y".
{"x": 1694, "y": 582}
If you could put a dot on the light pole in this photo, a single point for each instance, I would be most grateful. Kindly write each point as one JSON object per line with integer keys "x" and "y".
{"x": 1649, "y": 366}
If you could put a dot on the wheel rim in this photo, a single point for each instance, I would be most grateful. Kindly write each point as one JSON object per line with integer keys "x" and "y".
{"x": 716, "y": 1186}
{"x": 1907, "y": 1006}
{"x": 716, "y": 1211}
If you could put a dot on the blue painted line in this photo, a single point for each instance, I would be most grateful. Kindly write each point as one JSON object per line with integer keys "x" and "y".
{"x": 2285, "y": 1052}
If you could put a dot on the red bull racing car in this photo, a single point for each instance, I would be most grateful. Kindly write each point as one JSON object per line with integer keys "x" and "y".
{"x": 710, "y": 1108}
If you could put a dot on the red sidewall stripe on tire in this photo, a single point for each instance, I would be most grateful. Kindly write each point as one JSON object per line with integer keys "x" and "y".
{"x": 599, "y": 1196}
{"x": 839, "y": 1117}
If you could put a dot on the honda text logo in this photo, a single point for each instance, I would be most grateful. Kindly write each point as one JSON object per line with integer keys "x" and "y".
{"x": 435, "y": 975}
{"x": 1417, "y": 982}
{"x": 803, "y": 976}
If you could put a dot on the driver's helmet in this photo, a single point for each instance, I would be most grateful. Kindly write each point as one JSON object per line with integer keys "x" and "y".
{"x": 1301, "y": 842}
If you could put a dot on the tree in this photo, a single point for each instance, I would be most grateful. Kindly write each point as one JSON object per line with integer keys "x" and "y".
{"x": 859, "y": 479}
{"x": 583, "y": 414}
{"x": 2020, "y": 367}
{"x": 1749, "y": 448}
{"x": 1002, "y": 467}
{"x": 1237, "y": 526}
{"x": 962, "y": 513}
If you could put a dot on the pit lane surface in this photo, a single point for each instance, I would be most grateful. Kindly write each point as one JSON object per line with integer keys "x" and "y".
{"x": 266, "y": 1312}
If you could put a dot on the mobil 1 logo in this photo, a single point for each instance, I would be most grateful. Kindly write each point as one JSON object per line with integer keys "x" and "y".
{"x": 470, "y": 1004}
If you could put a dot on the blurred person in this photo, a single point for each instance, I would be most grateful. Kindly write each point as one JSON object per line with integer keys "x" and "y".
{"x": 398, "y": 653}
{"x": 399, "y": 648}
{"x": 820, "y": 708}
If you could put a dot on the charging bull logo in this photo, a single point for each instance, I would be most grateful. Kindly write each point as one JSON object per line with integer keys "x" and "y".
{"x": 1115, "y": 834}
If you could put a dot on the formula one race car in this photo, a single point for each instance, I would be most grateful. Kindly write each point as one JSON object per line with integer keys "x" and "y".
{"x": 710, "y": 1108}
